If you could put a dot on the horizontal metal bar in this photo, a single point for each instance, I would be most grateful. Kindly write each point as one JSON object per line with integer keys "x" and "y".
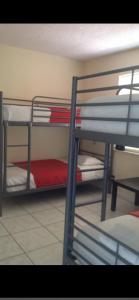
{"x": 11, "y": 166}
{"x": 94, "y": 240}
{"x": 106, "y": 234}
{"x": 14, "y": 104}
{"x": 109, "y": 72}
{"x": 16, "y": 185}
{"x": 106, "y": 88}
{"x": 51, "y": 103}
{"x": 111, "y": 138}
{"x": 17, "y": 145}
{"x": 81, "y": 256}
{"x": 108, "y": 119}
{"x": 17, "y": 99}
{"x": 51, "y": 117}
{"x": 90, "y": 251}
{"x": 90, "y": 170}
{"x": 54, "y": 110}
{"x": 88, "y": 203}
{"x": 114, "y": 253}
{"x": 133, "y": 102}
{"x": 46, "y": 97}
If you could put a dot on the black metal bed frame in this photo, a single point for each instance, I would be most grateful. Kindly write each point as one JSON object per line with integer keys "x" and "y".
{"x": 108, "y": 139}
{"x": 36, "y": 106}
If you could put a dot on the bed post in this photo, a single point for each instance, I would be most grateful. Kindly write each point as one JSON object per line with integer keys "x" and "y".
{"x": 105, "y": 181}
{"x": 1, "y": 152}
{"x": 71, "y": 186}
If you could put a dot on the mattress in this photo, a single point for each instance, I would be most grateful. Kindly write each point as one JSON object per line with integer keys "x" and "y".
{"x": 46, "y": 172}
{"x": 124, "y": 228}
{"x": 15, "y": 176}
{"x": 23, "y": 114}
{"x": 18, "y": 113}
{"x": 109, "y": 111}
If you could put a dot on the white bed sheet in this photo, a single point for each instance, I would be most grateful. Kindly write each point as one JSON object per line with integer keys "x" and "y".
{"x": 16, "y": 175}
{"x": 23, "y": 113}
{"x": 91, "y": 175}
{"x": 124, "y": 228}
{"x": 110, "y": 111}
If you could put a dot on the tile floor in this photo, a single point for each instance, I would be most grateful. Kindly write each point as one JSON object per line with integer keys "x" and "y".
{"x": 32, "y": 227}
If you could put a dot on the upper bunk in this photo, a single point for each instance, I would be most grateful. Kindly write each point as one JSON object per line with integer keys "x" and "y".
{"x": 113, "y": 118}
{"x": 40, "y": 111}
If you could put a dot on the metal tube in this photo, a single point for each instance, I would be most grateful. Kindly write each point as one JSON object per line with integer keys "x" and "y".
{"x": 129, "y": 105}
{"x": 120, "y": 70}
{"x": 5, "y": 158}
{"x": 71, "y": 153}
{"x": 1, "y": 151}
{"x": 29, "y": 156}
{"x": 106, "y": 88}
{"x": 105, "y": 182}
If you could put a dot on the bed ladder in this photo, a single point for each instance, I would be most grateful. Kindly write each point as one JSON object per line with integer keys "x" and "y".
{"x": 6, "y": 146}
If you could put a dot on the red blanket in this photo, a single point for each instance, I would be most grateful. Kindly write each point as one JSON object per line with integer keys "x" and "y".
{"x": 134, "y": 213}
{"x": 48, "y": 172}
{"x": 62, "y": 115}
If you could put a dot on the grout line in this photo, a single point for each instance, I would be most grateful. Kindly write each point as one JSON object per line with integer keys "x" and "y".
{"x": 15, "y": 256}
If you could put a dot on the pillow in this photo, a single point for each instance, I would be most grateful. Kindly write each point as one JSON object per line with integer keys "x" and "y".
{"x": 87, "y": 160}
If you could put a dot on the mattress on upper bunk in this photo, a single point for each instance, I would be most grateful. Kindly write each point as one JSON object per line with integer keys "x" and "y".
{"x": 124, "y": 228}
{"x": 46, "y": 114}
{"x": 50, "y": 172}
{"x": 22, "y": 113}
{"x": 110, "y": 111}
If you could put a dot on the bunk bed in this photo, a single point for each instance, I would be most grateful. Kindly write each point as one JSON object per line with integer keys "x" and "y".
{"x": 24, "y": 177}
{"x": 110, "y": 120}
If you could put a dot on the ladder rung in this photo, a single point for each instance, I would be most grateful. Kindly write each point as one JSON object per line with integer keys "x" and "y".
{"x": 24, "y": 145}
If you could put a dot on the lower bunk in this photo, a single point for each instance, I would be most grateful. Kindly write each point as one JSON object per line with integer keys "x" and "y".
{"x": 50, "y": 173}
{"x": 111, "y": 242}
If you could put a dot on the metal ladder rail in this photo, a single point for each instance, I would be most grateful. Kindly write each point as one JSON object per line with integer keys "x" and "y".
{"x": 6, "y": 146}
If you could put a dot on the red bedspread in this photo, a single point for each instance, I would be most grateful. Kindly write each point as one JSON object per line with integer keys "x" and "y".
{"x": 134, "y": 213}
{"x": 48, "y": 172}
{"x": 62, "y": 115}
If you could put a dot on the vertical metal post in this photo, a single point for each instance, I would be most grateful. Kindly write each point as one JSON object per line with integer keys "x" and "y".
{"x": 5, "y": 158}
{"x": 71, "y": 171}
{"x": 29, "y": 155}
{"x": 129, "y": 105}
{"x": 110, "y": 169}
{"x": 105, "y": 182}
{"x": 1, "y": 150}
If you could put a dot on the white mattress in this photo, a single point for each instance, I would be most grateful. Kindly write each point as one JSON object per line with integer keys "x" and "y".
{"x": 91, "y": 175}
{"x": 16, "y": 175}
{"x": 110, "y": 111}
{"x": 23, "y": 113}
{"x": 124, "y": 228}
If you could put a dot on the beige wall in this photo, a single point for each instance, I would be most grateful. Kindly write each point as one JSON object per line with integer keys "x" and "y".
{"x": 125, "y": 164}
{"x": 24, "y": 74}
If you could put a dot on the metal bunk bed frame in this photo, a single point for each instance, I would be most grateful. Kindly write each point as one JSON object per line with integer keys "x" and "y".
{"x": 108, "y": 139}
{"x": 35, "y": 106}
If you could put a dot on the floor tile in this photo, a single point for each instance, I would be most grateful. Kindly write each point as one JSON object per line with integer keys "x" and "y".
{"x": 3, "y": 231}
{"x": 16, "y": 260}
{"x": 17, "y": 224}
{"x": 8, "y": 247}
{"x": 49, "y": 216}
{"x": 12, "y": 210}
{"x": 57, "y": 229}
{"x": 39, "y": 205}
{"x": 50, "y": 255}
{"x": 34, "y": 239}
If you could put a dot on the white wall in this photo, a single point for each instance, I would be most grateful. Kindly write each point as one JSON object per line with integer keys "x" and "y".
{"x": 24, "y": 74}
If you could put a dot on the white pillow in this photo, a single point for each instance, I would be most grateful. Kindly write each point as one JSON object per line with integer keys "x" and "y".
{"x": 87, "y": 160}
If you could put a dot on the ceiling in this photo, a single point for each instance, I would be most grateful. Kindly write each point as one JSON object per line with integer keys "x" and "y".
{"x": 76, "y": 41}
